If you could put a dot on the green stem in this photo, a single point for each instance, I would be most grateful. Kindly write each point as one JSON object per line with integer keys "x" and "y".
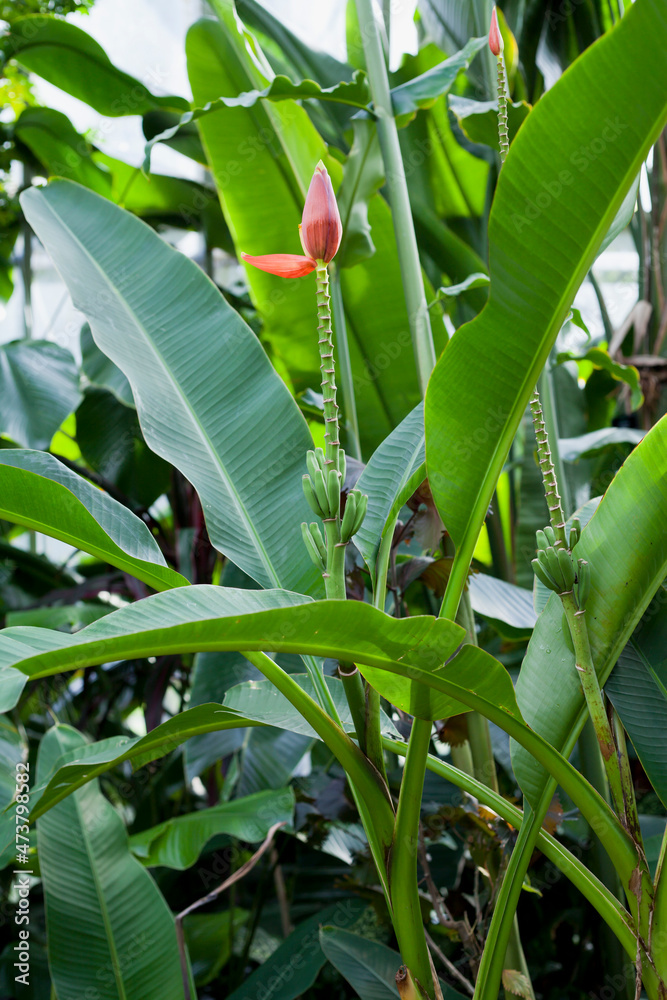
{"x": 493, "y": 957}
{"x": 404, "y": 230}
{"x": 592, "y": 692}
{"x": 322, "y": 691}
{"x": 485, "y": 771}
{"x": 403, "y": 869}
{"x": 373, "y": 743}
{"x": 602, "y": 305}
{"x": 386, "y": 17}
{"x": 503, "y": 135}
{"x": 548, "y": 400}
{"x": 462, "y": 758}
{"x": 627, "y": 784}
{"x": 26, "y": 265}
{"x": 544, "y": 459}
{"x": 660, "y": 907}
{"x": 592, "y": 768}
{"x": 478, "y": 727}
{"x": 327, "y": 368}
{"x": 345, "y": 366}
{"x": 494, "y": 527}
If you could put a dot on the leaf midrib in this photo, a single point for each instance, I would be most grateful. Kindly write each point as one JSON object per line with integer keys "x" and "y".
{"x": 122, "y": 994}
{"x": 217, "y": 461}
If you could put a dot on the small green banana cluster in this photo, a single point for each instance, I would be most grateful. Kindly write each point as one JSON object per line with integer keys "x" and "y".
{"x": 322, "y": 486}
{"x": 355, "y": 512}
{"x": 314, "y": 542}
{"x": 556, "y": 567}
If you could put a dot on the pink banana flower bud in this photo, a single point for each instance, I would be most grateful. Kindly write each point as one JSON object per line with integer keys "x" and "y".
{"x": 320, "y": 232}
{"x": 496, "y": 43}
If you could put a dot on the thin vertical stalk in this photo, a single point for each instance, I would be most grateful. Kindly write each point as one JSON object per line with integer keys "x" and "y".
{"x": 547, "y": 469}
{"x": 484, "y": 770}
{"x": 26, "y": 265}
{"x": 404, "y": 230}
{"x": 408, "y": 922}
{"x": 502, "y": 924}
{"x": 386, "y": 17}
{"x": 601, "y": 864}
{"x": 594, "y": 699}
{"x": 327, "y": 368}
{"x": 627, "y": 784}
{"x": 503, "y": 134}
{"x": 660, "y": 905}
{"x": 345, "y": 366}
{"x": 547, "y": 400}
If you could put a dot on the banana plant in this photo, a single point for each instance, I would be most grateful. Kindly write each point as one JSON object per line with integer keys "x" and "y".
{"x": 286, "y": 510}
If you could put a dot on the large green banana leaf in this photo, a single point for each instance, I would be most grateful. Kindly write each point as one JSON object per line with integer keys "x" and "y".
{"x": 178, "y": 842}
{"x": 205, "y": 617}
{"x": 91, "y": 882}
{"x": 39, "y": 492}
{"x": 410, "y": 649}
{"x": 401, "y": 657}
{"x": 80, "y": 764}
{"x": 69, "y": 58}
{"x": 207, "y": 397}
{"x": 39, "y": 388}
{"x": 564, "y": 180}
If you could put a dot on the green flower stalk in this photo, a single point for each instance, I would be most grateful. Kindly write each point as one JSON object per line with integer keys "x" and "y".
{"x": 497, "y": 46}
{"x": 320, "y": 232}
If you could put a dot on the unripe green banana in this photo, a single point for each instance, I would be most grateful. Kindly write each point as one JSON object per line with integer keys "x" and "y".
{"x": 583, "y": 582}
{"x": 309, "y": 494}
{"x": 566, "y": 568}
{"x": 320, "y": 487}
{"x": 551, "y": 534}
{"x": 312, "y": 464}
{"x": 544, "y": 564}
{"x": 333, "y": 491}
{"x": 542, "y": 574}
{"x": 349, "y": 516}
{"x": 319, "y": 455}
{"x": 541, "y": 539}
{"x": 554, "y": 567}
{"x": 575, "y": 532}
{"x": 310, "y": 546}
{"x": 316, "y": 536}
{"x": 362, "y": 506}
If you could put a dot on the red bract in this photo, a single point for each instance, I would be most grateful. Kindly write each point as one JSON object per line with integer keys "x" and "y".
{"x": 495, "y": 38}
{"x": 320, "y": 232}
{"x": 321, "y": 228}
{"x": 286, "y": 265}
